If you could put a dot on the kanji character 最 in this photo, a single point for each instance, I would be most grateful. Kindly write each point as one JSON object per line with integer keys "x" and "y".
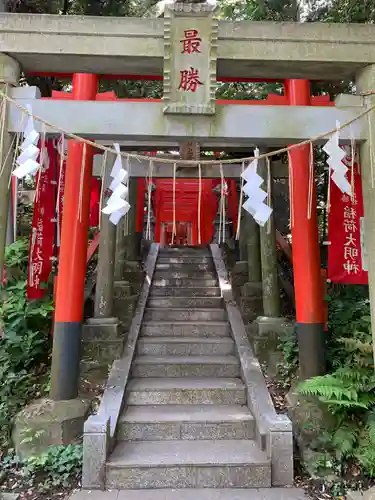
{"x": 189, "y": 80}
{"x": 191, "y": 42}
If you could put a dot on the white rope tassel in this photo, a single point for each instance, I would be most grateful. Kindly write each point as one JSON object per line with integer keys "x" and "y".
{"x": 352, "y": 152}
{"x": 240, "y": 204}
{"x": 62, "y": 158}
{"x": 80, "y": 200}
{"x": 2, "y": 127}
{"x": 127, "y": 215}
{"x": 311, "y": 182}
{"x": 17, "y": 139}
{"x": 222, "y": 208}
{"x": 103, "y": 176}
{"x": 329, "y": 190}
{"x": 42, "y": 157}
{"x": 174, "y": 230}
{"x": 33, "y": 241}
{"x": 149, "y": 191}
{"x": 371, "y": 149}
{"x": 269, "y": 192}
{"x": 291, "y": 184}
{"x": 199, "y": 202}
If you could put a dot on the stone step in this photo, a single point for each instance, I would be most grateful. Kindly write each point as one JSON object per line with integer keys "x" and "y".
{"x": 186, "y": 302}
{"x": 184, "y": 282}
{"x": 192, "y": 273}
{"x": 196, "y": 494}
{"x": 185, "y": 422}
{"x": 186, "y": 366}
{"x": 187, "y": 346}
{"x": 163, "y": 291}
{"x": 171, "y": 314}
{"x": 164, "y": 254}
{"x": 182, "y": 329}
{"x": 185, "y": 250}
{"x": 185, "y": 391}
{"x": 191, "y": 259}
{"x": 188, "y": 464}
{"x": 185, "y": 267}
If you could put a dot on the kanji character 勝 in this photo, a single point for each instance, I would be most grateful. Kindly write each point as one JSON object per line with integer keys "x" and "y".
{"x": 189, "y": 80}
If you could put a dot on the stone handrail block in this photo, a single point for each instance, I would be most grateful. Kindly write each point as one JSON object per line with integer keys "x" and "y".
{"x": 274, "y": 432}
{"x": 100, "y": 429}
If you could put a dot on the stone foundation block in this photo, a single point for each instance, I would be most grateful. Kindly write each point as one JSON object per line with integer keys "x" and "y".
{"x": 121, "y": 289}
{"x": 252, "y": 289}
{"x": 251, "y": 307}
{"x": 123, "y": 308}
{"x": 103, "y": 350}
{"x": 239, "y": 276}
{"x": 102, "y": 340}
{"x": 46, "y": 423}
{"x": 100, "y": 329}
{"x": 265, "y": 339}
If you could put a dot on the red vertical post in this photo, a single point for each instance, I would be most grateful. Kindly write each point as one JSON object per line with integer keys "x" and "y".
{"x": 72, "y": 261}
{"x": 306, "y": 252}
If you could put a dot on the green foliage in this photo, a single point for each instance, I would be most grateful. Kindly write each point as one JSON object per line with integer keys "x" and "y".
{"x": 25, "y": 340}
{"x": 57, "y": 468}
{"x": 287, "y": 369}
{"x": 348, "y": 391}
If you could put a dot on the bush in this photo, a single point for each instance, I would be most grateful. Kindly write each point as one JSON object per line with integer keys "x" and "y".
{"x": 25, "y": 343}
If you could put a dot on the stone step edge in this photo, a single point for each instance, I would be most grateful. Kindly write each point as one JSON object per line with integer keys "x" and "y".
{"x": 205, "y": 494}
{"x": 184, "y": 309}
{"x": 157, "y": 414}
{"x": 186, "y": 340}
{"x": 124, "y": 455}
{"x": 189, "y": 322}
{"x": 184, "y": 383}
{"x": 186, "y": 360}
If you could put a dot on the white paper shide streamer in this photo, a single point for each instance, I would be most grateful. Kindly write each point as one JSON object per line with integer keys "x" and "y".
{"x": 255, "y": 204}
{"x": 26, "y": 161}
{"x": 117, "y": 204}
{"x": 337, "y": 169}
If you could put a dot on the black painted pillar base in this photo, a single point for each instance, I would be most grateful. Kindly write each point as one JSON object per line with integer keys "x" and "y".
{"x": 66, "y": 356}
{"x": 311, "y": 344}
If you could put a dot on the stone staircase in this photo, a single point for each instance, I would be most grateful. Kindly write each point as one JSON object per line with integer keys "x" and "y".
{"x": 186, "y": 423}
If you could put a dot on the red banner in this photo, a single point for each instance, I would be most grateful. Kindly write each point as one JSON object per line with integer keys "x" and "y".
{"x": 347, "y": 260}
{"x": 43, "y": 227}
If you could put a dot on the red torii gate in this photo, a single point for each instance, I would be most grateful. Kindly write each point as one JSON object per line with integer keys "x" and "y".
{"x": 72, "y": 265}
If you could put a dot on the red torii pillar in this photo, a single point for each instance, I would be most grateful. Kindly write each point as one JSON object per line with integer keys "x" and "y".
{"x": 306, "y": 252}
{"x": 72, "y": 261}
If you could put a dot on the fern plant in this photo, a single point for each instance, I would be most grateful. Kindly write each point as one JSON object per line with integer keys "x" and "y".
{"x": 348, "y": 392}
